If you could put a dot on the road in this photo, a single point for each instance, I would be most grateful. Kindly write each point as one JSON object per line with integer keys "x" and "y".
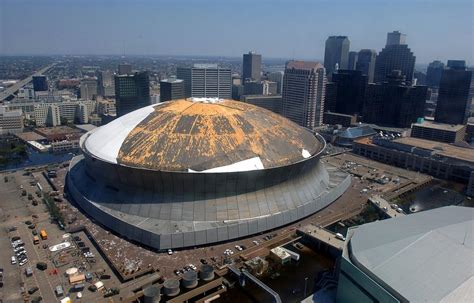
{"x": 15, "y": 87}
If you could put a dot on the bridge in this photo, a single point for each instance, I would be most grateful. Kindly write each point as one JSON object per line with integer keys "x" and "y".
{"x": 245, "y": 274}
{"x": 15, "y": 87}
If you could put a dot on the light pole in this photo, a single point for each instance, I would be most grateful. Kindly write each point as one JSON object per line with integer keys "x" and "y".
{"x": 305, "y": 286}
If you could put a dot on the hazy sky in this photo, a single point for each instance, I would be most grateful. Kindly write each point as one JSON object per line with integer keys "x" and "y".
{"x": 436, "y": 29}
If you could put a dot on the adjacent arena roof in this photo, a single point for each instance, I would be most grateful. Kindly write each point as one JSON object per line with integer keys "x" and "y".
{"x": 423, "y": 257}
{"x": 201, "y": 135}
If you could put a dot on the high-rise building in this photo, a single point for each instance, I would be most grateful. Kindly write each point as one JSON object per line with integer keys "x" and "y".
{"x": 278, "y": 78}
{"x": 253, "y": 87}
{"x": 131, "y": 92}
{"x": 53, "y": 117}
{"x": 419, "y": 78}
{"x": 352, "y": 62}
{"x": 349, "y": 92}
{"x": 171, "y": 89}
{"x": 393, "y": 102}
{"x": 251, "y": 67}
{"x": 434, "y": 72}
{"x": 206, "y": 80}
{"x": 457, "y": 64}
{"x": 11, "y": 122}
{"x": 269, "y": 87}
{"x": 330, "y": 97}
{"x": 105, "y": 85}
{"x": 124, "y": 69}
{"x": 455, "y": 94}
{"x": 366, "y": 63}
{"x": 88, "y": 88}
{"x": 395, "y": 56}
{"x": 272, "y": 103}
{"x": 47, "y": 114}
{"x": 40, "y": 83}
{"x": 336, "y": 52}
{"x": 396, "y": 38}
{"x": 82, "y": 114}
{"x": 304, "y": 85}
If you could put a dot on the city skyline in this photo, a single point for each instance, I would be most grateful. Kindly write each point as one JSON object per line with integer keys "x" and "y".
{"x": 97, "y": 28}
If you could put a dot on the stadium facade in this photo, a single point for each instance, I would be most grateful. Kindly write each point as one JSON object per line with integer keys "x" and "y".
{"x": 199, "y": 171}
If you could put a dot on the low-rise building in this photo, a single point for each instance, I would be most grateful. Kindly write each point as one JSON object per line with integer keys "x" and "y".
{"x": 280, "y": 255}
{"x": 65, "y": 145}
{"x": 58, "y": 133}
{"x": 423, "y": 257}
{"x": 441, "y": 160}
{"x": 440, "y": 132}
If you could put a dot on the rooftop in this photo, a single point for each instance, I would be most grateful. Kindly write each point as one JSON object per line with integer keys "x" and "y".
{"x": 440, "y": 126}
{"x": 442, "y": 149}
{"x": 357, "y": 132}
{"x": 30, "y": 136}
{"x": 202, "y": 134}
{"x": 56, "y": 130}
{"x": 172, "y": 80}
{"x": 306, "y": 65}
{"x": 423, "y": 257}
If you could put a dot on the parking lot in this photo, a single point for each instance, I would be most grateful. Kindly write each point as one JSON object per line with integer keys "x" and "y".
{"x": 378, "y": 178}
{"x": 128, "y": 259}
{"x": 20, "y": 219}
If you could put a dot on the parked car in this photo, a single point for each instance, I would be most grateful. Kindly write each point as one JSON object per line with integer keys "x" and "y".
{"x": 33, "y": 290}
{"x": 13, "y": 260}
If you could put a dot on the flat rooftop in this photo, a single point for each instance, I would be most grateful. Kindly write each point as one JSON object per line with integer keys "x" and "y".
{"x": 440, "y": 126}
{"x": 56, "y": 130}
{"x": 423, "y": 257}
{"x": 30, "y": 136}
{"x": 442, "y": 149}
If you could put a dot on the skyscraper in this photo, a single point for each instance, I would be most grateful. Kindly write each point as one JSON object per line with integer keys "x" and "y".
{"x": 395, "y": 56}
{"x": 251, "y": 67}
{"x": 349, "y": 92}
{"x": 304, "y": 85}
{"x": 88, "y": 88}
{"x": 456, "y": 91}
{"x": 393, "y": 102}
{"x": 171, "y": 89}
{"x": 278, "y": 78}
{"x": 434, "y": 72}
{"x": 124, "y": 69}
{"x": 366, "y": 63}
{"x": 353, "y": 57}
{"x": 40, "y": 83}
{"x": 457, "y": 64}
{"x": 336, "y": 52}
{"x": 105, "y": 84}
{"x": 206, "y": 80}
{"x": 396, "y": 38}
{"x": 132, "y": 92}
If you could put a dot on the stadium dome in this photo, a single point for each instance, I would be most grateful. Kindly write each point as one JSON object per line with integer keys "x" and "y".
{"x": 192, "y": 135}
{"x": 201, "y": 170}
